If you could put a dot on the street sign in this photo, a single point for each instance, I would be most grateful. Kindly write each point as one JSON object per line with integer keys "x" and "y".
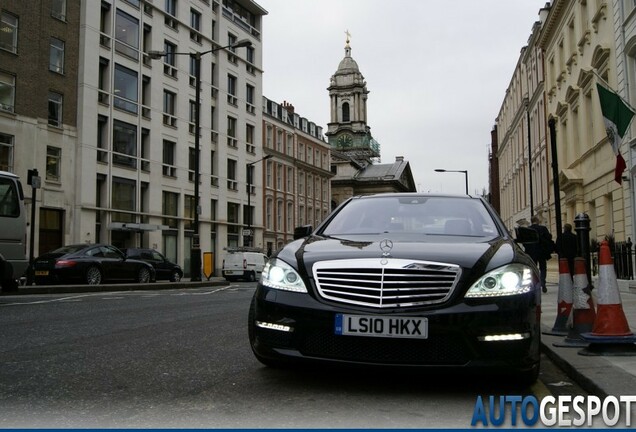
{"x": 247, "y": 232}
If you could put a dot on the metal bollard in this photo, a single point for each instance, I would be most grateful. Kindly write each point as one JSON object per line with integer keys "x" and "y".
{"x": 582, "y": 228}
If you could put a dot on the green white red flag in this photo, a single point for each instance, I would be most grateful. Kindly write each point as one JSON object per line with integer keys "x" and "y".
{"x": 616, "y": 116}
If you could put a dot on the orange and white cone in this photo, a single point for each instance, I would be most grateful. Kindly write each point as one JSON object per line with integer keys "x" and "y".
{"x": 610, "y": 318}
{"x": 564, "y": 305}
{"x": 583, "y": 314}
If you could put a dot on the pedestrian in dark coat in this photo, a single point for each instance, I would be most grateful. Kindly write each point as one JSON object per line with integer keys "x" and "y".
{"x": 541, "y": 252}
{"x": 567, "y": 246}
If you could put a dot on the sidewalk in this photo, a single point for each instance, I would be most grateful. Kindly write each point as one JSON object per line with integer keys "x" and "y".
{"x": 598, "y": 375}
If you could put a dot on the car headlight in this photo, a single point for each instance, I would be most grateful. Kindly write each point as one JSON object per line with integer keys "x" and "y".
{"x": 508, "y": 280}
{"x": 278, "y": 274}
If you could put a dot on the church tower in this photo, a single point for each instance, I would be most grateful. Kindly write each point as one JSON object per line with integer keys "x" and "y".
{"x": 348, "y": 131}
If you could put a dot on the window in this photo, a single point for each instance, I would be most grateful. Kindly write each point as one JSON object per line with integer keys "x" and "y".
{"x": 195, "y": 20}
{"x": 290, "y": 180}
{"x": 9, "y": 33}
{"x": 233, "y": 227}
{"x": 127, "y": 35}
{"x": 189, "y": 207}
{"x": 53, "y": 163}
{"x": 169, "y": 49}
{"x": 249, "y": 94}
{"x": 58, "y": 9}
{"x": 171, "y": 7}
{"x": 250, "y": 54}
{"x": 169, "y": 103}
{"x": 126, "y": 89}
{"x": 55, "y": 109}
{"x": 195, "y": 24}
{"x": 231, "y": 132}
{"x": 170, "y": 207}
{"x": 169, "y": 168}
{"x": 193, "y": 117}
{"x": 123, "y": 198}
{"x": 231, "y": 175}
{"x": 7, "y": 92}
{"x": 56, "y": 56}
{"x": 249, "y": 98}
{"x": 169, "y": 59}
{"x": 231, "y": 90}
{"x": 249, "y": 134}
{"x": 192, "y": 163}
{"x": 279, "y": 177}
{"x": 6, "y": 152}
{"x": 124, "y": 144}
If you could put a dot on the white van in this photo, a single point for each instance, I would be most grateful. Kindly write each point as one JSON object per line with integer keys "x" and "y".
{"x": 13, "y": 260}
{"x": 243, "y": 265}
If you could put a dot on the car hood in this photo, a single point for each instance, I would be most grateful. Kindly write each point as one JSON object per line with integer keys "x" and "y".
{"x": 474, "y": 255}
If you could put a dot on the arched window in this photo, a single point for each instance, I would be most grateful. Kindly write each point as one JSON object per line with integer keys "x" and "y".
{"x": 345, "y": 112}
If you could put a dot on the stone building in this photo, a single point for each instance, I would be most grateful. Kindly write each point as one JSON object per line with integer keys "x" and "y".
{"x": 117, "y": 145}
{"x": 297, "y": 174}
{"x": 579, "y": 43}
{"x": 354, "y": 151}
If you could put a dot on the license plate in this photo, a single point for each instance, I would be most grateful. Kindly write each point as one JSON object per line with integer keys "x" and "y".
{"x": 229, "y": 272}
{"x": 41, "y": 272}
{"x": 381, "y": 326}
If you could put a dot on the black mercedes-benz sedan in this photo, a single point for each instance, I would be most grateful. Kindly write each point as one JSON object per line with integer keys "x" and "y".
{"x": 405, "y": 280}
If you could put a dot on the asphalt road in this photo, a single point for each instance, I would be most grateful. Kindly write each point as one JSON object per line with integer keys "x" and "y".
{"x": 181, "y": 358}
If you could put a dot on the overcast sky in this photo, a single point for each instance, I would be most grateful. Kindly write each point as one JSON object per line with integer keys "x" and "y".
{"x": 437, "y": 72}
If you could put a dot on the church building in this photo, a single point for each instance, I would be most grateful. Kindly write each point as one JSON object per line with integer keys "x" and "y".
{"x": 355, "y": 155}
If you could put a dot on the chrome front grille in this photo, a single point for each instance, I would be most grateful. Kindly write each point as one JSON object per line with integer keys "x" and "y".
{"x": 385, "y": 282}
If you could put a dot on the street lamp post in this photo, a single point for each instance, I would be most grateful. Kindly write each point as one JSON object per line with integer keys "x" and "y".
{"x": 248, "y": 240}
{"x": 456, "y": 171}
{"x": 195, "y": 250}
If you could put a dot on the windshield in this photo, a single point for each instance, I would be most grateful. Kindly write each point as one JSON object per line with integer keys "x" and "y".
{"x": 413, "y": 215}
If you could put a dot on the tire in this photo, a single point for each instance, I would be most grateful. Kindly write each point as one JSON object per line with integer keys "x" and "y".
{"x": 143, "y": 275}
{"x": 175, "y": 276}
{"x": 93, "y": 275}
{"x": 9, "y": 285}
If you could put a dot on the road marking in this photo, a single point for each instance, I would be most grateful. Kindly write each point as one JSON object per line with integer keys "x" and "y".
{"x": 61, "y": 299}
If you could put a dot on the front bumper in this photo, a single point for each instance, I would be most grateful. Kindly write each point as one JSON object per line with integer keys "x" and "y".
{"x": 295, "y": 326}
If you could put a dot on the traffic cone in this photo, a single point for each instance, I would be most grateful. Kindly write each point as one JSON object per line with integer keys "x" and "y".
{"x": 610, "y": 318}
{"x": 564, "y": 304}
{"x": 583, "y": 314}
{"x": 610, "y": 334}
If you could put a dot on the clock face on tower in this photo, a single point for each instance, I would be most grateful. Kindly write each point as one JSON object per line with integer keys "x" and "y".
{"x": 345, "y": 140}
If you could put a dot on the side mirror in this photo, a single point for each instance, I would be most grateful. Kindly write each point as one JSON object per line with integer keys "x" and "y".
{"x": 525, "y": 235}
{"x": 302, "y": 231}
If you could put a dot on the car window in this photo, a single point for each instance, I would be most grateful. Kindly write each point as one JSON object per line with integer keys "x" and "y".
{"x": 424, "y": 215}
{"x": 94, "y": 252}
{"x": 110, "y": 252}
{"x": 69, "y": 249}
{"x": 156, "y": 256}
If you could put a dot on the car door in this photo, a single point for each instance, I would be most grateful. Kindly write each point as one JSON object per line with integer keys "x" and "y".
{"x": 115, "y": 265}
{"x": 158, "y": 262}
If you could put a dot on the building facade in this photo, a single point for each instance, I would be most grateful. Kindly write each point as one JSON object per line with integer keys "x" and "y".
{"x": 579, "y": 44}
{"x": 297, "y": 188}
{"x": 522, "y": 147}
{"x": 128, "y": 160}
{"x": 354, "y": 151}
{"x": 625, "y": 28}
{"x": 39, "y": 62}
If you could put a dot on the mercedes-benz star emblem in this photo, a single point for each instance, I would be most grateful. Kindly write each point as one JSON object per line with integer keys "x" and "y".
{"x": 386, "y": 245}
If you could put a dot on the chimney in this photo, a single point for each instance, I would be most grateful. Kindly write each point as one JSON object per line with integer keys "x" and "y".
{"x": 289, "y": 107}
{"x": 399, "y": 158}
